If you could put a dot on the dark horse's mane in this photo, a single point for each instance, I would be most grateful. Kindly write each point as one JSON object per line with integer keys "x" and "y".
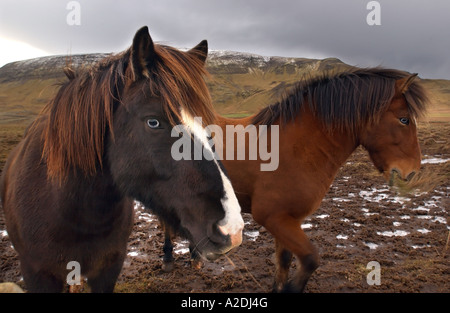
{"x": 346, "y": 100}
{"x": 81, "y": 113}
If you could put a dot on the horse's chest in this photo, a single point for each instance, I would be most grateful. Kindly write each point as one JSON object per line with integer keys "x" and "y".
{"x": 92, "y": 226}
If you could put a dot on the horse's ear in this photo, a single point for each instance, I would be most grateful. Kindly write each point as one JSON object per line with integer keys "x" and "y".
{"x": 142, "y": 52}
{"x": 69, "y": 72}
{"x": 403, "y": 84}
{"x": 200, "y": 51}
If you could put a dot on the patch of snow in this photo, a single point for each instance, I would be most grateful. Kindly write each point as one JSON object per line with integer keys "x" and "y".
{"x": 341, "y": 200}
{"x": 147, "y": 217}
{"x": 400, "y": 200}
{"x": 424, "y": 231}
{"x": 434, "y": 161}
{"x": 421, "y": 246}
{"x": 397, "y": 233}
{"x": 371, "y": 245}
{"x": 421, "y": 208}
{"x": 439, "y": 219}
{"x": 137, "y": 205}
{"x": 225, "y": 57}
{"x": 377, "y": 195}
{"x": 252, "y": 234}
{"x": 181, "y": 247}
{"x": 430, "y": 203}
{"x": 367, "y": 213}
{"x": 322, "y": 216}
{"x": 307, "y": 226}
{"x": 343, "y": 237}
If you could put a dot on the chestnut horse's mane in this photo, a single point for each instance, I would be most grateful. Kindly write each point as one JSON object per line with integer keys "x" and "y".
{"x": 81, "y": 113}
{"x": 345, "y": 101}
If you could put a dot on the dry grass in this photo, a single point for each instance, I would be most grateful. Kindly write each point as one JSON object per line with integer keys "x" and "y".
{"x": 425, "y": 181}
{"x": 434, "y": 138}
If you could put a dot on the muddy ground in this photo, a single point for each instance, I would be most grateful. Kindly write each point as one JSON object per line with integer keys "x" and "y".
{"x": 360, "y": 220}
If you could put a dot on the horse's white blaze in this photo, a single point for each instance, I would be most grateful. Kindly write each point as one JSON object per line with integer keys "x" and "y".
{"x": 232, "y": 224}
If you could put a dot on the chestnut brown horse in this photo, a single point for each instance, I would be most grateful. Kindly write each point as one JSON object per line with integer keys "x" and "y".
{"x": 321, "y": 122}
{"x": 67, "y": 189}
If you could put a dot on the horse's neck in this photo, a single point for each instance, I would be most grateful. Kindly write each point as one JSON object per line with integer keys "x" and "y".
{"x": 326, "y": 150}
{"x": 307, "y": 130}
{"x": 96, "y": 194}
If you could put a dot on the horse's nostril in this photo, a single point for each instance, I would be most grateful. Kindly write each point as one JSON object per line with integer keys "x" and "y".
{"x": 410, "y": 176}
{"x": 217, "y": 235}
{"x": 235, "y": 238}
{"x": 392, "y": 177}
{"x": 222, "y": 230}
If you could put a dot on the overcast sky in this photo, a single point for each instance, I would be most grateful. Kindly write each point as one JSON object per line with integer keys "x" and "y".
{"x": 414, "y": 35}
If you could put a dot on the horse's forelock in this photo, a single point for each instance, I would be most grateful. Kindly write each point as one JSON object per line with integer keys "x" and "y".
{"x": 180, "y": 81}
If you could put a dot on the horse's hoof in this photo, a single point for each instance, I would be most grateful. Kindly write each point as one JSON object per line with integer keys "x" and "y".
{"x": 196, "y": 264}
{"x": 277, "y": 287}
{"x": 290, "y": 287}
{"x": 276, "y": 290}
{"x": 168, "y": 266}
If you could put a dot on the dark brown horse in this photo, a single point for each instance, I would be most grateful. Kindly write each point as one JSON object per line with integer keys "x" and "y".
{"x": 68, "y": 188}
{"x": 321, "y": 122}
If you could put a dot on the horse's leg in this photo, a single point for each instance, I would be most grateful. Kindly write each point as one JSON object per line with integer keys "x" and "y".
{"x": 105, "y": 280}
{"x": 289, "y": 234}
{"x": 168, "y": 259}
{"x": 283, "y": 260}
{"x": 196, "y": 259}
{"x": 40, "y": 281}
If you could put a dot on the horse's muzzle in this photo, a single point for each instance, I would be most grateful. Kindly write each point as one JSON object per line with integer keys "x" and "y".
{"x": 235, "y": 239}
{"x": 223, "y": 242}
{"x": 395, "y": 171}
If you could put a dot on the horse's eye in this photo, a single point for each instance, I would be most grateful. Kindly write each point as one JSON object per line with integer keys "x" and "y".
{"x": 404, "y": 120}
{"x": 153, "y": 123}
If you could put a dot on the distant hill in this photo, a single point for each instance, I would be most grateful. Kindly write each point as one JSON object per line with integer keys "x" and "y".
{"x": 439, "y": 93}
{"x": 240, "y": 83}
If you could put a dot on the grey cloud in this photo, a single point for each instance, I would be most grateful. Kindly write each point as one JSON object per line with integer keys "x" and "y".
{"x": 413, "y": 35}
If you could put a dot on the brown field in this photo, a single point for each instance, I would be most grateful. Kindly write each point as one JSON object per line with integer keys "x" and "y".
{"x": 405, "y": 229}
